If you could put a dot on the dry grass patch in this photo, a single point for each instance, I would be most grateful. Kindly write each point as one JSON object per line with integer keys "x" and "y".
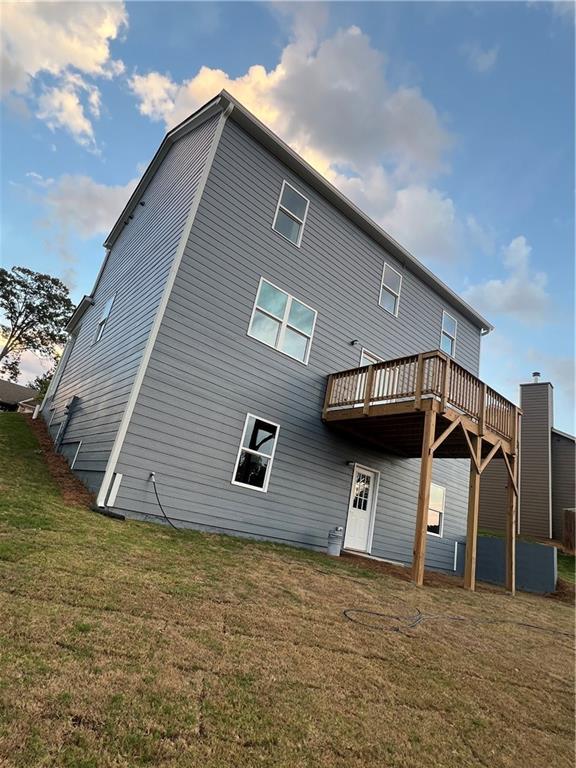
{"x": 127, "y": 644}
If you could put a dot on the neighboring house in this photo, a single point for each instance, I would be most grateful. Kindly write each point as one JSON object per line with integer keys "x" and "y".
{"x": 236, "y": 280}
{"x": 547, "y": 470}
{"x": 11, "y": 395}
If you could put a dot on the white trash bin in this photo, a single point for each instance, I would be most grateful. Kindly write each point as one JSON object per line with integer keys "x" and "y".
{"x": 335, "y": 537}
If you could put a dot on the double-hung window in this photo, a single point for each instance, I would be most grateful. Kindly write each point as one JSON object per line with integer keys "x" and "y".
{"x": 256, "y": 453}
{"x": 282, "y": 322}
{"x": 103, "y": 319}
{"x": 390, "y": 289}
{"x": 448, "y": 335}
{"x": 436, "y": 509}
{"x": 291, "y": 214}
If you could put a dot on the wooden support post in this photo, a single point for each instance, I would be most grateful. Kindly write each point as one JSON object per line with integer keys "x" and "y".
{"x": 419, "y": 551}
{"x": 368, "y": 390}
{"x": 472, "y": 522}
{"x": 512, "y": 506}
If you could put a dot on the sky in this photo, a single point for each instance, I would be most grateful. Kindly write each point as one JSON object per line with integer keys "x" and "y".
{"x": 449, "y": 123}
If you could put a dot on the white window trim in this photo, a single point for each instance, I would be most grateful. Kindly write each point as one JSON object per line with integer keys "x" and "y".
{"x": 264, "y": 488}
{"x": 444, "y": 332}
{"x": 442, "y": 514}
{"x": 283, "y": 322}
{"x": 382, "y": 285}
{"x": 289, "y": 213}
{"x": 364, "y": 351}
{"x": 103, "y": 321}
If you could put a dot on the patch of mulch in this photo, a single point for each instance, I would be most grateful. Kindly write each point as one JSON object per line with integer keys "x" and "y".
{"x": 72, "y": 490}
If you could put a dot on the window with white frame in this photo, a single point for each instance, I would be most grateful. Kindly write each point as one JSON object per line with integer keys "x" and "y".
{"x": 390, "y": 289}
{"x": 281, "y": 321}
{"x": 448, "y": 335}
{"x": 436, "y": 509}
{"x": 291, "y": 213}
{"x": 256, "y": 453}
{"x": 103, "y": 319}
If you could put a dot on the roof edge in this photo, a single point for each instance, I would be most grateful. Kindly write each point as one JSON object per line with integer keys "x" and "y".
{"x": 563, "y": 434}
{"x": 261, "y": 133}
{"x": 205, "y": 112}
{"x": 258, "y": 130}
{"x": 79, "y": 312}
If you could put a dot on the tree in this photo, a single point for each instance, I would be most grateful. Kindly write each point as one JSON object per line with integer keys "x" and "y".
{"x": 42, "y": 381}
{"x": 35, "y": 309}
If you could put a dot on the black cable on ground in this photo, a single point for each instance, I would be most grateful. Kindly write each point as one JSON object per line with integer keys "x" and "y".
{"x": 160, "y": 504}
{"x": 412, "y": 621}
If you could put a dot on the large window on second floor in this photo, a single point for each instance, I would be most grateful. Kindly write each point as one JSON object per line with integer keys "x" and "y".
{"x": 291, "y": 214}
{"x": 390, "y": 289}
{"x": 281, "y": 321}
{"x": 448, "y": 335}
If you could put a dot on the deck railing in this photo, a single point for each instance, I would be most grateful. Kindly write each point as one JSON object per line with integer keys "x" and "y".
{"x": 417, "y": 377}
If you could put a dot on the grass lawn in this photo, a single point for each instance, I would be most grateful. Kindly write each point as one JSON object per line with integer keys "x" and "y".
{"x": 129, "y": 644}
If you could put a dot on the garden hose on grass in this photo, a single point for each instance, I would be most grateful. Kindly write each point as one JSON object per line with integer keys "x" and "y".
{"x": 412, "y": 621}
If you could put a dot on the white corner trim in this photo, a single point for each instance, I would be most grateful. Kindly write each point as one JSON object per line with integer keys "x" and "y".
{"x": 111, "y": 500}
{"x": 136, "y": 386}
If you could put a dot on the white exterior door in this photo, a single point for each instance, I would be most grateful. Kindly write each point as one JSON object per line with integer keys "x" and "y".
{"x": 360, "y": 523}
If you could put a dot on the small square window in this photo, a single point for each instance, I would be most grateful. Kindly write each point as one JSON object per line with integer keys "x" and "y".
{"x": 448, "y": 334}
{"x": 256, "y": 453}
{"x": 390, "y": 289}
{"x": 291, "y": 213}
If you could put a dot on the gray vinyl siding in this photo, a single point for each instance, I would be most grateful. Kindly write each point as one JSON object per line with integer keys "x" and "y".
{"x": 535, "y": 479}
{"x": 563, "y": 481}
{"x": 101, "y": 374}
{"x": 205, "y": 373}
{"x": 493, "y": 496}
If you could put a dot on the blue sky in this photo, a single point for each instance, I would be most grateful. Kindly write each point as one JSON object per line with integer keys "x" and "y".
{"x": 452, "y": 124}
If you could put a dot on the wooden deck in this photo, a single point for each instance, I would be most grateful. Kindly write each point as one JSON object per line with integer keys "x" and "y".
{"x": 428, "y": 406}
{"x": 395, "y": 394}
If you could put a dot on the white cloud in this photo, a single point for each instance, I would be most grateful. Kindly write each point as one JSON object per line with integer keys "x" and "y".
{"x": 78, "y": 206}
{"x": 61, "y": 107}
{"x": 480, "y": 59}
{"x": 331, "y": 101}
{"x": 424, "y": 221}
{"x": 305, "y": 96}
{"x": 32, "y": 366}
{"x": 68, "y": 43}
{"x": 522, "y": 294}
